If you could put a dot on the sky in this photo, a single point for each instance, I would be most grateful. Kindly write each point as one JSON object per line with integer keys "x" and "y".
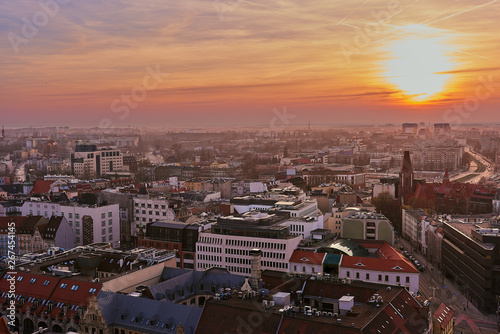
{"x": 280, "y": 63}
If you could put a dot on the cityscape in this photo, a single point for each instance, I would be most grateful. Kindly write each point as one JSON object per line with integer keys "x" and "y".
{"x": 247, "y": 167}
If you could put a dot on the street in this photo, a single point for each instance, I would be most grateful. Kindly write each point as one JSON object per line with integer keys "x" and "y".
{"x": 437, "y": 289}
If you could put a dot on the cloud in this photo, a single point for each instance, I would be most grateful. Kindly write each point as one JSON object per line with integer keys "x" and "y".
{"x": 252, "y": 55}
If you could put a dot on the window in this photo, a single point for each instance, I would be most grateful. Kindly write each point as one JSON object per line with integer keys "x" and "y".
{"x": 110, "y": 222}
{"x": 379, "y": 277}
{"x": 386, "y": 278}
{"x": 103, "y": 215}
{"x": 77, "y": 216}
{"x": 63, "y": 286}
{"x": 397, "y": 279}
{"x": 74, "y": 287}
{"x": 367, "y": 276}
{"x": 357, "y": 275}
{"x": 407, "y": 279}
{"x": 110, "y": 230}
{"x": 110, "y": 214}
{"x": 348, "y": 274}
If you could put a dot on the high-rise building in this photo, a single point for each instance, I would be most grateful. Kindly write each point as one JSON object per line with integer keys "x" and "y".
{"x": 89, "y": 162}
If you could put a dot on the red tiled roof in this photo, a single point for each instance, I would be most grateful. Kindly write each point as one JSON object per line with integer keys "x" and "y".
{"x": 71, "y": 293}
{"x": 4, "y": 223}
{"x": 41, "y": 187}
{"x": 443, "y": 315}
{"x": 41, "y": 288}
{"x": 30, "y": 286}
{"x": 307, "y": 257}
{"x": 368, "y": 263}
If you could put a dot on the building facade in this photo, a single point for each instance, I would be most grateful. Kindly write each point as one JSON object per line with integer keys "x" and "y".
{"x": 88, "y": 162}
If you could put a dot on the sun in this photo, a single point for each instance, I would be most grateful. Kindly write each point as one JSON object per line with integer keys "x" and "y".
{"x": 418, "y": 62}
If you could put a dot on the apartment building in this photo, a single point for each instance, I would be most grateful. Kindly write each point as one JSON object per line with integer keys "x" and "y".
{"x": 90, "y": 223}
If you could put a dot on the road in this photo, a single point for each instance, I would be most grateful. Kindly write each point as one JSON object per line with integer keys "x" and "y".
{"x": 438, "y": 289}
{"x": 473, "y": 167}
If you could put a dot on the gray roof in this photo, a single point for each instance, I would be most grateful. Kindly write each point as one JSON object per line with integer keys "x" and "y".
{"x": 147, "y": 315}
{"x": 180, "y": 284}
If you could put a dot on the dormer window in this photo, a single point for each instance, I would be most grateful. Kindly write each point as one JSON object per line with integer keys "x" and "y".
{"x": 359, "y": 264}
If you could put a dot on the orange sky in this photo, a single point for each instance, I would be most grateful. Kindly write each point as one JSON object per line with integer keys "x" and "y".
{"x": 234, "y": 61}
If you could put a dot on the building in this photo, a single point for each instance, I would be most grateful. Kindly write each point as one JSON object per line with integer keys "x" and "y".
{"x": 434, "y": 237}
{"x": 193, "y": 288}
{"x": 470, "y": 257}
{"x": 90, "y": 223}
{"x": 367, "y": 226}
{"x": 247, "y": 187}
{"x": 173, "y": 235}
{"x": 442, "y": 320}
{"x": 355, "y": 177}
{"x": 442, "y": 129}
{"x": 9, "y": 227}
{"x": 111, "y": 313}
{"x": 47, "y": 301}
{"x": 391, "y": 271}
{"x": 148, "y": 210}
{"x": 34, "y": 234}
{"x": 445, "y": 197}
{"x": 496, "y": 203}
{"x": 409, "y": 128}
{"x": 337, "y": 308}
{"x": 88, "y": 162}
{"x": 340, "y": 211}
{"x": 438, "y": 157}
{"x": 53, "y": 290}
{"x": 307, "y": 263}
{"x": 125, "y": 201}
{"x": 414, "y": 226}
{"x": 229, "y": 242}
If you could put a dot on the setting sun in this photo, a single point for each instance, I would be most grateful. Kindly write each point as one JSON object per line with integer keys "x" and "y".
{"x": 417, "y": 62}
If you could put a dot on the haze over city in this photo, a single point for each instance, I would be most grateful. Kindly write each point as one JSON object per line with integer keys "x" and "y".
{"x": 233, "y": 62}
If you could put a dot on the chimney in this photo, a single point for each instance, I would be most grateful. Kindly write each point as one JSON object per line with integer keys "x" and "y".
{"x": 256, "y": 255}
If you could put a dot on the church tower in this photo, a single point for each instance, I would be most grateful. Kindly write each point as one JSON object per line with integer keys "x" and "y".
{"x": 406, "y": 181}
